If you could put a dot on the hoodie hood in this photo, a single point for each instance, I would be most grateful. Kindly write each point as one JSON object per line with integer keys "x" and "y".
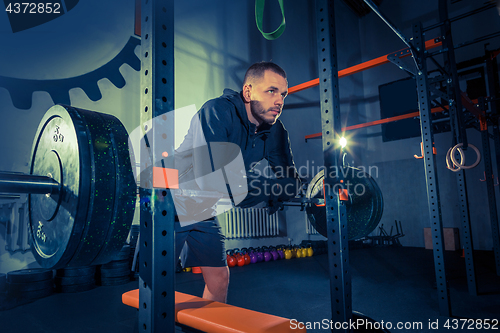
{"x": 236, "y": 98}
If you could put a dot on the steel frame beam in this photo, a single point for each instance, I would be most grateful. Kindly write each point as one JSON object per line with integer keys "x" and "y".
{"x": 431, "y": 173}
{"x": 450, "y": 66}
{"x": 493, "y": 107}
{"x": 157, "y": 252}
{"x": 381, "y": 121}
{"x": 458, "y": 130}
{"x": 462, "y": 16}
{"x": 430, "y": 44}
{"x": 496, "y": 242}
{"x": 488, "y": 168}
{"x": 338, "y": 252}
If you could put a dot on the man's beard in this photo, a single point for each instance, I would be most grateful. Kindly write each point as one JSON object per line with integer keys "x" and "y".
{"x": 258, "y": 113}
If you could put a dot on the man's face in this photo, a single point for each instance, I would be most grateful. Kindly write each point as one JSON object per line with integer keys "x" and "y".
{"x": 267, "y": 97}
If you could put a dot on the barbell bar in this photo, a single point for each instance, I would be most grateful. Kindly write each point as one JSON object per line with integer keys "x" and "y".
{"x": 21, "y": 183}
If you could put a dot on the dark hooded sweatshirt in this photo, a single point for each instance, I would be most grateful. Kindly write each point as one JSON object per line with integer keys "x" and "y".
{"x": 224, "y": 119}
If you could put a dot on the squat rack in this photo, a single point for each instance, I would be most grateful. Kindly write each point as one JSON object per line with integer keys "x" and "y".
{"x": 157, "y": 262}
{"x": 454, "y": 97}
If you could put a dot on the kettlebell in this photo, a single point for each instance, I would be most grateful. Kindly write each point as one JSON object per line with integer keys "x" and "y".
{"x": 275, "y": 254}
{"x": 253, "y": 255}
{"x": 304, "y": 252}
{"x": 281, "y": 253}
{"x": 281, "y": 250}
{"x": 231, "y": 262}
{"x": 260, "y": 255}
{"x": 253, "y": 258}
{"x": 240, "y": 261}
{"x": 267, "y": 255}
{"x": 247, "y": 259}
{"x": 288, "y": 254}
{"x": 310, "y": 251}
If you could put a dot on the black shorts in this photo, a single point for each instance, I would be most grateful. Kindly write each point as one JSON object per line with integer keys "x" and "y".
{"x": 200, "y": 244}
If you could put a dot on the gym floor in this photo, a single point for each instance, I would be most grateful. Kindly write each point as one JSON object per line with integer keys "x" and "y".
{"x": 393, "y": 284}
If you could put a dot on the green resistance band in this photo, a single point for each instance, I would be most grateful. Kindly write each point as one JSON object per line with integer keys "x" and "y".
{"x": 259, "y": 13}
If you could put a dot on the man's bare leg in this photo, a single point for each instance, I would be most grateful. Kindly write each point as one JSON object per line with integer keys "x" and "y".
{"x": 216, "y": 283}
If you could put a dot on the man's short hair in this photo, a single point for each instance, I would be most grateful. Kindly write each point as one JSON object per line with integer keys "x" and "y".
{"x": 257, "y": 70}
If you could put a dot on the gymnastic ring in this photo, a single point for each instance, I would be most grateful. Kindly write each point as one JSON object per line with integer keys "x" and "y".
{"x": 465, "y": 166}
{"x": 451, "y": 163}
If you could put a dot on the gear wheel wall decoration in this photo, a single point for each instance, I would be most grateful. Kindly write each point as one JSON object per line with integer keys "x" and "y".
{"x": 21, "y": 90}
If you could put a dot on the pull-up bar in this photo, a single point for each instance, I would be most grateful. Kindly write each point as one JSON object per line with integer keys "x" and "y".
{"x": 379, "y": 122}
{"x": 470, "y": 105}
{"x": 365, "y": 65}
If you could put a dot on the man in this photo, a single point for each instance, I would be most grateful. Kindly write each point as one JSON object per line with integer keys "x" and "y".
{"x": 248, "y": 121}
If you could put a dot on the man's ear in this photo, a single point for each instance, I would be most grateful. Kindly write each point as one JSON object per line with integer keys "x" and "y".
{"x": 247, "y": 92}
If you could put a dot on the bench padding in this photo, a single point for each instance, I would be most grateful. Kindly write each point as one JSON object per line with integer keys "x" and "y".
{"x": 210, "y": 316}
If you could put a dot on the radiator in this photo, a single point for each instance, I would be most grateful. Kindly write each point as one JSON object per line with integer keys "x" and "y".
{"x": 14, "y": 215}
{"x": 310, "y": 230}
{"x": 249, "y": 223}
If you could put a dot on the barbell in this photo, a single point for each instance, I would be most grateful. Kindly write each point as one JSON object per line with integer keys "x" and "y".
{"x": 364, "y": 202}
{"x": 82, "y": 190}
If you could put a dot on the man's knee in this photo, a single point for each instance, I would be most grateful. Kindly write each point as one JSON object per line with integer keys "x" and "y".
{"x": 216, "y": 276}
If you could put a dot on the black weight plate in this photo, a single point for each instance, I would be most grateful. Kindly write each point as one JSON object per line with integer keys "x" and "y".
{"x": 60, "y": 148}
{"x": 29, "y": 275}
{"x": 380, "y": 210}
{"x": 36, "y": 294}
{"x": 75, "y": 288}
{"x": 134, "y": 229}
{"x": 3, "y": 282}
{"x": 125, "y": 191}
{"x": 102, "y": 187}
{"x": 134, "y": 233}
{"x": 116, "y": 272}
{"x": 74, "y": 228}
{"x": 123, "y": 254}
{"x": 116, "y": 264}
{"x": 377, "y": 207}
{"x": 115, "y": 281}
{"x": 57, "y": 237}
{"x": 76, "y": 271}
{"x": 71, "y": 280}
{"x": 29, "y": 286}
{"x": 364, "y": 207}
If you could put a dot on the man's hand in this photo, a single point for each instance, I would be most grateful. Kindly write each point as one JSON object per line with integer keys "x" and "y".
{"x": 273, "y": 207}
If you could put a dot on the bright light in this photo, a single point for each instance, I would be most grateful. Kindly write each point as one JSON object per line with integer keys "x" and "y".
{"x": 343, "y": 142}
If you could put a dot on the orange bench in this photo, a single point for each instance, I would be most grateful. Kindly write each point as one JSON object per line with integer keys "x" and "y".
{"x": 210, "y": 316}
